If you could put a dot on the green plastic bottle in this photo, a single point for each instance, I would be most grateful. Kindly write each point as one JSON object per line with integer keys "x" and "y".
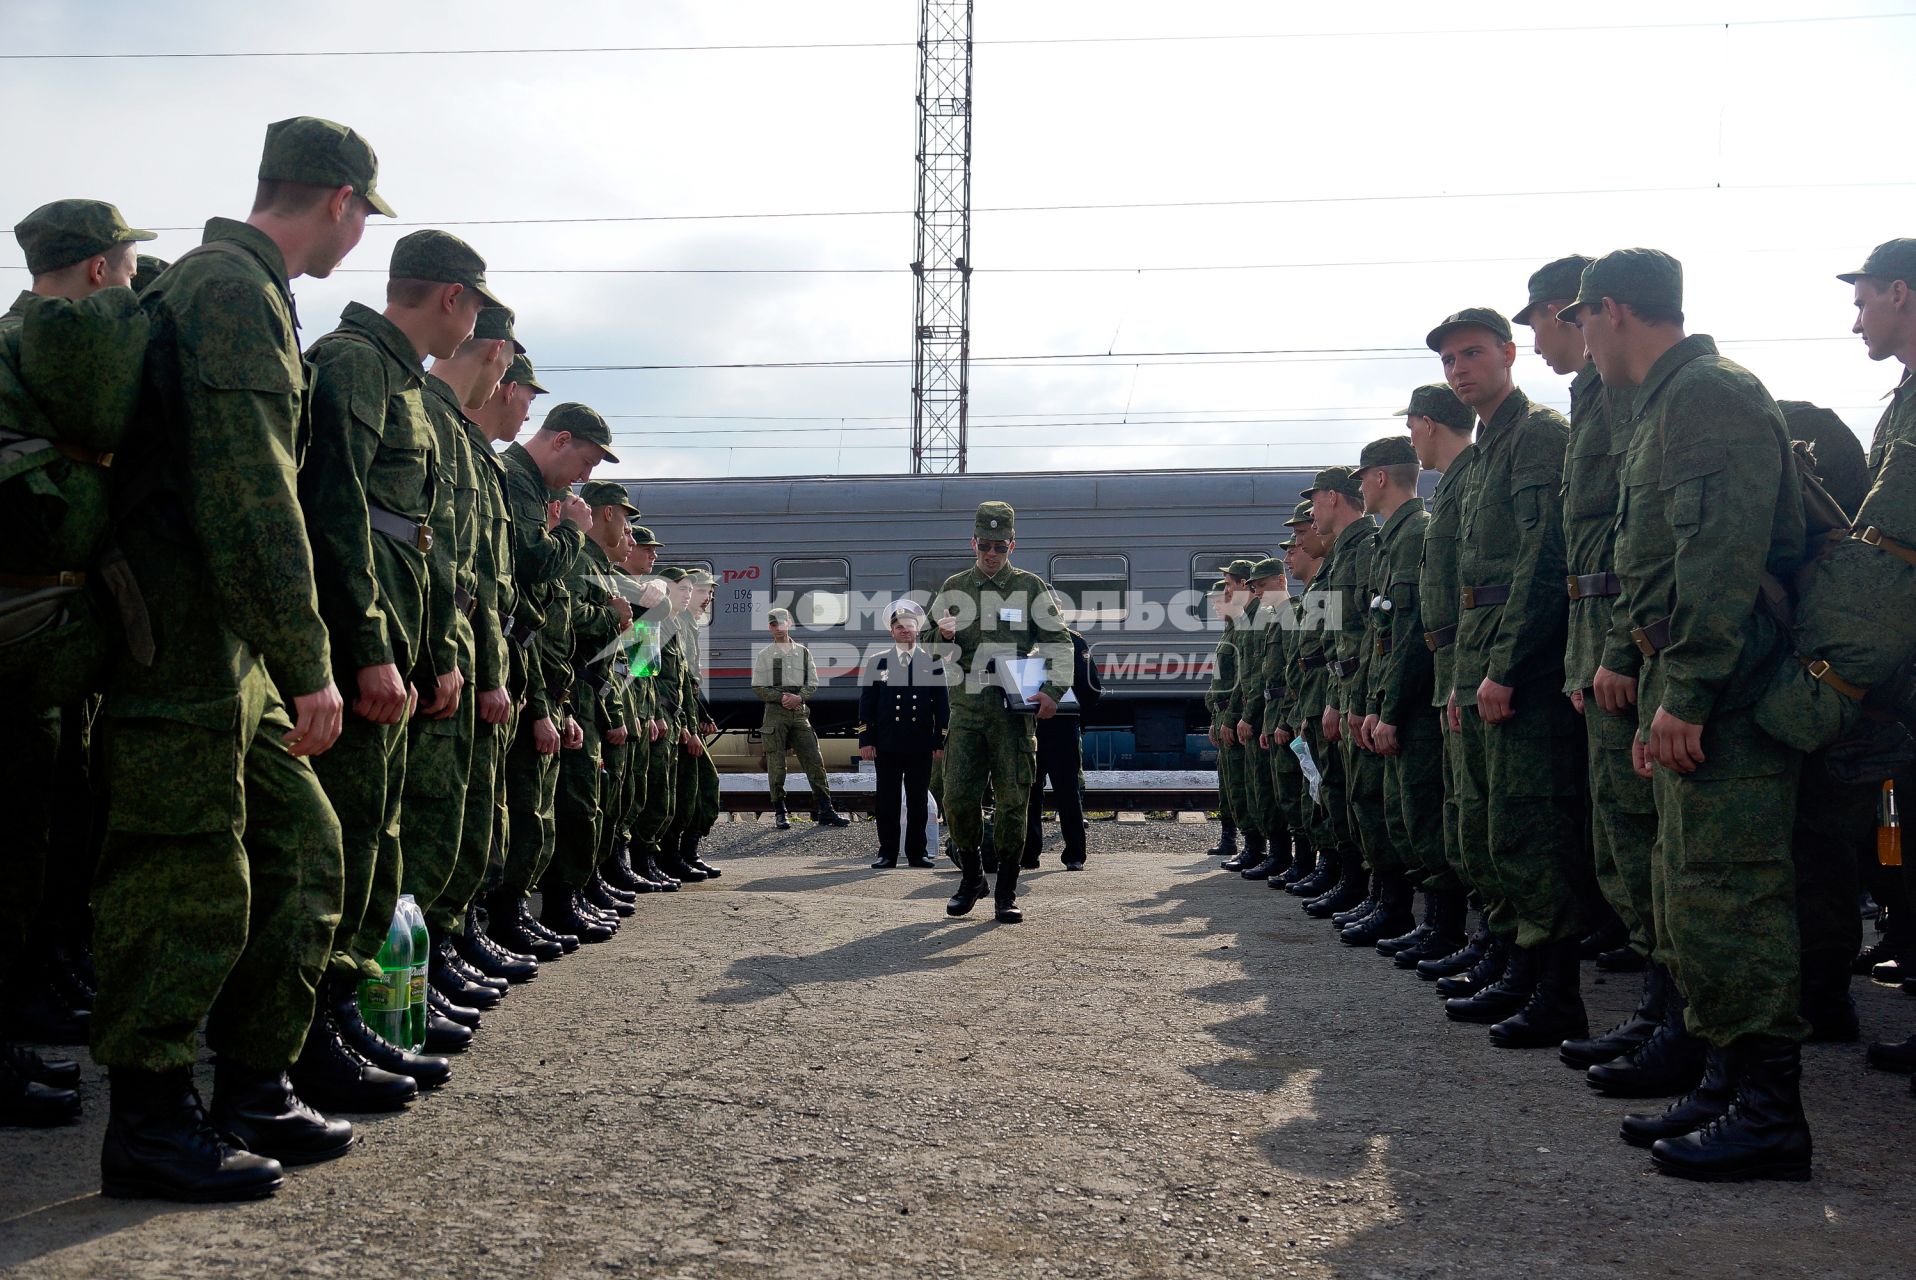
{"x": 384, "y": 1001}
{"x": 421, "y": 958}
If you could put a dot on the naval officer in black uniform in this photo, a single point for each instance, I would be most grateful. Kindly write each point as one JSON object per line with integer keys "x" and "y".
{"x": 903, "y": 711}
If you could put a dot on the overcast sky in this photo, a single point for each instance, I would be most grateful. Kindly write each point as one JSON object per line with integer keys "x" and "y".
{"x": 1767, "y": 155}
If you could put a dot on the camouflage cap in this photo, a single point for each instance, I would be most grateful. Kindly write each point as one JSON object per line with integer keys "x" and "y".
{"x": 521, "y": 372}
{"x": 782, "y": 617}
{"x": 1890, "y": 260}
{"x": 444, "y": 258}
{"x": 1337, "y": 480}
{"x": 1239, "y": 568}
{"x": 1387, "y": 451}
{"x": 699, "y": 577}
{"x": 1436, "y": 401}
{"x": 1268, "y": 567}
{"x": 1480, "y": 317}
{"x": 644, "y": 537}
{"x": 64, "y": 232}
{"x": 1287, "y": 545}
{"x": 995, "y": 520}
{"x": 147, "y": 269}
{"x": 1635, "y": 277}
{"x": 1300, "y": 514}
{"x": 584, "y": 424}
{"x": 495, "y": 324}
{"x": 607, "y": 493}
{"x": 1217, "y": 588}
{"x": 672, "y": 573}
{"x": 1553, "y": 282}
{"x": 321, "y": 153}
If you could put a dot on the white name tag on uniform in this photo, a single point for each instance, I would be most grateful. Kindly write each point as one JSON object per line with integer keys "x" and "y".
{"x": 1011, "y": 615}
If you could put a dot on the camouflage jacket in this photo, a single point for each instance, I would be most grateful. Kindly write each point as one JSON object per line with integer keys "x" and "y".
{"x": 452, "y": 566}
{"x": 1599, "y": 439}
{"x": 1437, "y": 582}
{"x": 1009, "y": 614}
{"x": 541, "y": 559}
{"x": 1400, "y": 662}
{"x": 1349, "y": 572}
{"x": 492, "y": 660}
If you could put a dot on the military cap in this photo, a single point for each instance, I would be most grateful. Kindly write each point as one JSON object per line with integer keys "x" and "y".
{"x": 1301, "y": 514}
{"x": 444, "y": 258}
{"x": 1480, "y": 317}
{"x": 1436, "y": 401}
{"x": 995, "y": 521}
{"x": 672, "y": 573}
{"x": 644, "y": 537}
{"x": 1238, "y": 568}
{"x": 1388, "y": 451}
{"x": 495, "y": 324}
{"x": 147, "y": 269}
{"x": 1337, "y": 480}
{"x": 64, "y": 232}
{"x": 584, "y": 424}
{"x": 907, "y": 607}
{"x": 1890, "y": 260}
{"x": 521, "y": 372}
{"x": 1217, "y": 588}
{"x": 781, "y": 616}
{"x": 1268, "y": 567}
{"x": 1553, "y": 282}
{"x": 1636, "y": 277}
{"x": 607, "y": 493}
{"x": 320, "y": 153}
{"x": 1287, "y": 544}
{"x": 699, "y": 577}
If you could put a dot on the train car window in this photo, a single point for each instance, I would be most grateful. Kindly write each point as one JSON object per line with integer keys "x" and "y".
{"x": 1093, "y": 587}
{"x": 1205, "y": 566}
{"x": 820, "y": 590}
{"x": 928, "y": 573}
{"x": 705, "y": 619}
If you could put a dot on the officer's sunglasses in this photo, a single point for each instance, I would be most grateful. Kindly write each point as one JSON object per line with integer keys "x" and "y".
{"x": 993, "y": 546}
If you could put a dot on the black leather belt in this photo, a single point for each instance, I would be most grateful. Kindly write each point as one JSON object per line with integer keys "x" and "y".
{"x": 1275, "y": 693}
{"x": 1652, "y": 638}
{"x": 519, "y": 632}
{"x": 1311, "y": 662}
{"x": 1441, "y": 638}
{"x": 1585, "y": 586}
{"x": 1477, "y": 597}
{"x": 1383, "y": 646}
{"x": 464, "y": 601}
{"x": 1344, "y": 668}
{"x": 413, "y": 533}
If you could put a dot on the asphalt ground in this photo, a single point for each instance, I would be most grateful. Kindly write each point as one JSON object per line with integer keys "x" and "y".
{"x": 805, "y": 1069}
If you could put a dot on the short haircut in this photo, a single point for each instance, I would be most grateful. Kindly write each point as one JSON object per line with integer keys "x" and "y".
{"x": 403, "y": 291}
{"x": 1653, "y": 313}
{"x": 290, "y": 199}
{"x": 1401, "y": 475}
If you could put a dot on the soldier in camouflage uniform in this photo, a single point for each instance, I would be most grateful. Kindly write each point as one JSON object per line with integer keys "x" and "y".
{"x": 219, "y": 886}
{"x": 679, "y": 712}
{"x": 988, "y": 612}
{"x": 1397, "y": 720}
{"x": 1262, "y": 699}
{"x": 1341, "y": 879}
{"x": 1521, "y": 781}
{"x": 784, "y": 679}
{"x": 1711, "y": 524}
{"x": 696, "y": 808}
{"x": 1237, "y": 652}
{"x": 628, "y": 761}
{"x": 1284, "y": 722}
{"x": 1219, "y": 599}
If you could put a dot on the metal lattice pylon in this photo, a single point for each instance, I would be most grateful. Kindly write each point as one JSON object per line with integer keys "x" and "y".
{"x": 941, "y": 268}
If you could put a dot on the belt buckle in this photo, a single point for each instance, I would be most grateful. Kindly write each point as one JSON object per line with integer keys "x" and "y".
{"x": 1576, "y": 588}
{"x": 423, "y": 538}
{"x": 1871, "y": 536}
{"x": 1818, "y": 669}
{"x": 1643, "y": 642}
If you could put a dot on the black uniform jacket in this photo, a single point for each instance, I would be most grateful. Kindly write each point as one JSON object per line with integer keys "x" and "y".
{"x": 904, "y": 706}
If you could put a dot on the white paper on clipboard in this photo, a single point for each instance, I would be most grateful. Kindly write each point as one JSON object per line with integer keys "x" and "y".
{"x": 1021, "y": 678}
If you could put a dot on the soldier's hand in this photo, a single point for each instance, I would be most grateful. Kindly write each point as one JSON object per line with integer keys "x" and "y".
{"x": 685, "y": 738}
{"x": 545, "y": 736}
{"x": 1495, "y": 702}
{"x": 1383, "y": 739}
{"x": 1047, "y": 706}
{"x": 1640, "y": 757}
{"x": 445, "y": 697}
{"x": 552, "y": 516}
{"x": 706, "y": 726}
{"x": 1576, "y": 700}
{"x": 495, "y": 706}
{"x": 383, "y": 696}
{"x": 948, "y": 626}
{"x": 572, "y": 507}
{"x": 868, "y": 753}
{"x": 316, "y": 721}
{"x": 574, "y": 734}
{"x": 939, "y": 754}
{"x": 1264, "y": 742}
{"x": 1675, "y": 744}
{"x": 696, "y": 746}
{"x": 658, "y": 730}
{"x": 616, "y": 737}
{"x": 790, "y": 701}
{"x": 1333, "y": 725}
{"x": 1454, "y": 715}
{"x": 1243, "y": 732}
{"x": 1367, "y": 732}
{"x": 1283, "y": 736}
{"x": 1615, "y": 694}
{"x": 622, "y": 609}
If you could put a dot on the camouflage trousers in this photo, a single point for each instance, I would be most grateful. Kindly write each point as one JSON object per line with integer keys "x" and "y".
{"x": 433, "y": 808}
{"x": 661, "y": 790}
{"x": 218, "y": 892}
{"x": 1232, "y": 802}
{"x": 1291, "y": 795}
{"x": 1453, "y": 769}
{"x": 478, "y": 831}
{"x": 532, "y": 782}
{"x": 999, "y": 751}
{"x": 1414, "y": 808}
{"x": 615, "y": 791}
{"x": 783, "y": 730}
{"x": 1330, "y": 817}
{"x": 1623, "y": 821}
{"x": 576, "y": 809}
{"x": 1364, "y": 803}
{"x": 1521, "y": 816}
{"x": 1260, "y": 791}
{"x": 364, "y": 774}
{"x": 30, "y": 745}
{"x": 1723, "y": 885}
{"x": 696, "y": 808}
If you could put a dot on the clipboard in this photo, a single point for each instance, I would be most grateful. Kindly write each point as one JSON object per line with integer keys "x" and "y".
{"x": 1019, "y": 679}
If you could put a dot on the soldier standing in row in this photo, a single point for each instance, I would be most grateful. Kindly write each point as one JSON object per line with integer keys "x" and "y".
{"x": 784, "y": 677}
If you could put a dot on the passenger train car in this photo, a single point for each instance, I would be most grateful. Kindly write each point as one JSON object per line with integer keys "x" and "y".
{"x": 1130, "y": 552}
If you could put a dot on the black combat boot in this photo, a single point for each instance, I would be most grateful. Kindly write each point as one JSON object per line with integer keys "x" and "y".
{"x": 442, "y": 1004}
{"x": 1372, "y": 899}
{"x": 566, "y": 942}
{"x": 1444, "y": 922}
{"x": 1348, "y": 890}
{"x": 470, "y": 972}
{"x": 648, "y": 867}
{"x": 1669, "y": 1063}
{"x": 670, "y": 862}
{"x": 1554, "y": 1012}
{"x": 559, "y": 911}
{"x": 1005, "y": 893}
{"x": 1509, "y": 993}
{"x": 1709, "y": 1098}
{"x": 1762, "y": 1135}
{"x": 491, "y": 959}
{"x": 604, "y": 888}
{"x": 41, "y": 1068}
{"x": 1416, "y": 935}
{"x": 1623, "y": 959}
{"x": 1626, "y": 1035}
{"x": 971, "y": 886}
{"x": 619, "y": 875}
{"x": 443, "y": 976}
{"x": 1488, "y": 968}
{"x": 1226, "y": 845}
{"x": 689, "y": 852}
{"x": 258, "y": 1111}
{"x": 1277, "y": 857}
{"x": 781, "y": 820}
{"x": 35, "y": 1011}
{"x": 27, "y": 1098}
{"x": 1897, "y": 1056}
{"x": 1303, "y": 863}
{"x": 428, "y": 1071}
{"x": 826, "y": 816}
{"x": 1392, "y": 915}
{"x": 597, "y": 893}
{"x": 1251, "y": 854}
{"x": 160, "y": 1145}
{"x": 506, "y": 926}
{"x": 332, "y": 1075}
{"x": 443, "y": 1035}
{"x": 1465, "y": 957}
